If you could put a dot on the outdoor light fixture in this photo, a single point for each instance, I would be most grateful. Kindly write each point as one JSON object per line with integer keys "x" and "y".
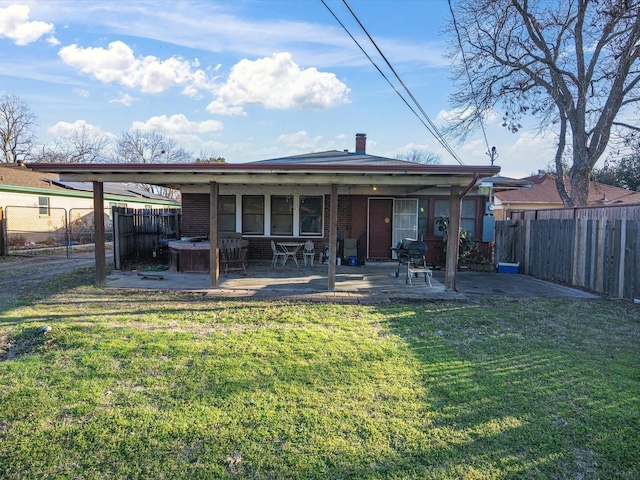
{"x": 485, "y": 188}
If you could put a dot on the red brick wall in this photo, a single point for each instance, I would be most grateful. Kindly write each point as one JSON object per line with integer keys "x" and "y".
{"x": 195, "y": 223}
{"x": 195, "y": 215}
{"x": 352, "y": 223}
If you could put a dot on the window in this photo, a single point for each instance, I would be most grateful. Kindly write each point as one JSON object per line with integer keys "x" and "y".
{"x": 423, "y": 217}
{"x": 311, "y": 215}
{"x": 43, "y": 205}
{"x": 227, "y": 213}
{"x": 467, "y": 218}
{"x": 253, "y": 214}
{"x": 281, "y": 215}
{"x": 440, "y": 210}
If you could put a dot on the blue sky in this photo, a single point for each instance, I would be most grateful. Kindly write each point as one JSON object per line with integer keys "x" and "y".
{"x": 245, "y": 80}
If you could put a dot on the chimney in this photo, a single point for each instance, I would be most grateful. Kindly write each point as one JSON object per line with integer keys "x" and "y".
{"x": 361, "y": 143}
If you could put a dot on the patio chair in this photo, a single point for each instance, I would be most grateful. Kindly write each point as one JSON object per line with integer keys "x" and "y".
{"x": 276, "y": 254}
{"x": 234, "y": 255}
{"x": 350, "y": 248}
{"x": 309, "y": 252}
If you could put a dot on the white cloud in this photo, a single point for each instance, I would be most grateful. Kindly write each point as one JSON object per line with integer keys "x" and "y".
{"x": 277, "y": 82}
{"x": 177, "y": 124}
{"x": 300, "y": 140}
{"x": 65, "y": 129}
{"x": 125, "y": 99}
{"x": 14, "y": 24}
{"x": 219, "y": 108}
{"x": 81, "y": 92}
{"x": 117, "y": 64}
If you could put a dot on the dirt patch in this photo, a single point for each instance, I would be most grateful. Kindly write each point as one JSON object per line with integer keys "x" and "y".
{"x": 20, "y": 273}
{"x": 23, "y": 343}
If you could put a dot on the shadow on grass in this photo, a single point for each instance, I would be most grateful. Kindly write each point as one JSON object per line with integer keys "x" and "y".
{"x": 517, "y": 401}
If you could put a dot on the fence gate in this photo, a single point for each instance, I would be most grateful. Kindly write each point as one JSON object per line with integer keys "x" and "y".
{"x": 143, "y": 234}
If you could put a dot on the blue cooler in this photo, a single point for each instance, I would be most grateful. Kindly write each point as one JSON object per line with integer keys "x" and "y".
{"x": 508, "y": 267}
{"x": 353, "y": 261}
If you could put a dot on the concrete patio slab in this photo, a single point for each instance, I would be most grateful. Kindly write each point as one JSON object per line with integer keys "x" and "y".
{"x": 368, "y": 284}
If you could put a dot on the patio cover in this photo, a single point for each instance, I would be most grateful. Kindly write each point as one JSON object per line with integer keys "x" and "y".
{"x": 339, "y": 172}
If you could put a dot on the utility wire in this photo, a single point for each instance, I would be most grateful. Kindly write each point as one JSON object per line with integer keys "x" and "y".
{"x": 430, "y": 126}
{"x": 435, "y": 131}
{"x": 490, "y": 151}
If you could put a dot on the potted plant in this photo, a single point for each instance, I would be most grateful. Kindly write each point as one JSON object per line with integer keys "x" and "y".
{"x": 467, "y": 245}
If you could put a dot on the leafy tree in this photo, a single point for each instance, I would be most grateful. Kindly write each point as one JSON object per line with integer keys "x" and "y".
{"x": 211, "y": 160}
{"x": 424, "y": 157}
{"x": 17, "y": 128}
{"x": 81, "y": 146}
{"x": 624, "y": 173}
{"x": 572, "y": 65}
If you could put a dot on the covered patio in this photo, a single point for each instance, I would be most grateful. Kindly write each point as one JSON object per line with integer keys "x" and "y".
{"x": 372, "y": 283}
{"x": 358, "y": 173}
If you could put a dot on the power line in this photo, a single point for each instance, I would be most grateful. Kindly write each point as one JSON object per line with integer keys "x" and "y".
{"x": 435, "y": 131}
{"x": 490, "y": 151}
{"x": 430, "y": 126}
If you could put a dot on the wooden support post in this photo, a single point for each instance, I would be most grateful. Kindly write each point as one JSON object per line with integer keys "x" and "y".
{"x": 98, "y": 223}
{"x": 333, "y": 237}
{"x": 453, "y": 240}
{"x": 214, "y": 264}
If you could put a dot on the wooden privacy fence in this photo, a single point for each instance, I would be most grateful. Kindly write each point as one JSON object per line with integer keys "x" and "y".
{"x": 598, "y": 254}
{"x": 143, "y": 234}
{"x": 612, "y": 212}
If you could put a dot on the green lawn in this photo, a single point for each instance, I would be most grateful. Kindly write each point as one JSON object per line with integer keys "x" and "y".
{"x": 170, "y": 385}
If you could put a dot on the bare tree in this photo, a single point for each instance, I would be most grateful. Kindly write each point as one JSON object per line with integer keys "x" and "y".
{"x": 572, "y": 65}
{"x": 424, "y": 157}
{"x": 150, "y": 147}
{"x": 17, "y": 128}
{"x": 81, "y": 146}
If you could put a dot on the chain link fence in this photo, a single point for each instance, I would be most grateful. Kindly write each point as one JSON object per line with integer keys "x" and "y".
{"x": 54, "y": 232}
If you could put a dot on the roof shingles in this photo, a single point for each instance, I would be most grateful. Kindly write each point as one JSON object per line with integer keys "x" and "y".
{"x": 544, "y": 191}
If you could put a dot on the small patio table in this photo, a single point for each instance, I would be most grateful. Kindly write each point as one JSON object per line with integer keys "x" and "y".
{"x": 290, "y": 249}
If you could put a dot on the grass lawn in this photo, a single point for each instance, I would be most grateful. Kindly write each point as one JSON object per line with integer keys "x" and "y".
{"x": 180, "y": 386}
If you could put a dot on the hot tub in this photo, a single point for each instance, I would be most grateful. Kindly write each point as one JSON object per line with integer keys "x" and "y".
{"x": 188, "y": 256}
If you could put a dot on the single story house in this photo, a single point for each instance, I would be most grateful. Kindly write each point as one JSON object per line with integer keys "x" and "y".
{"x": 544, "y": 195}
{"x": 35, "y": 204}
{"x": 324, "y": 197}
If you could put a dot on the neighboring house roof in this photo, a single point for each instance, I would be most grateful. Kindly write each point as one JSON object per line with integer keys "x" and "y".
{"x": 18, "y": 178}
{"x": 544, "y": 191}
{"x": 334, "y": 158}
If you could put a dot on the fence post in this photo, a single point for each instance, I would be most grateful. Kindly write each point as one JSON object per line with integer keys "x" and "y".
{"x": 116, "y": 237}
{"x": 623, "y": 247}
{"x": 67, "y": 231}
{"x": 527, "y": 245}
{"x": 576, "y": 251}
{"x": 592, "y": 260}
{"x": 601, "y": 255}
{"x": 3, "y": 235}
